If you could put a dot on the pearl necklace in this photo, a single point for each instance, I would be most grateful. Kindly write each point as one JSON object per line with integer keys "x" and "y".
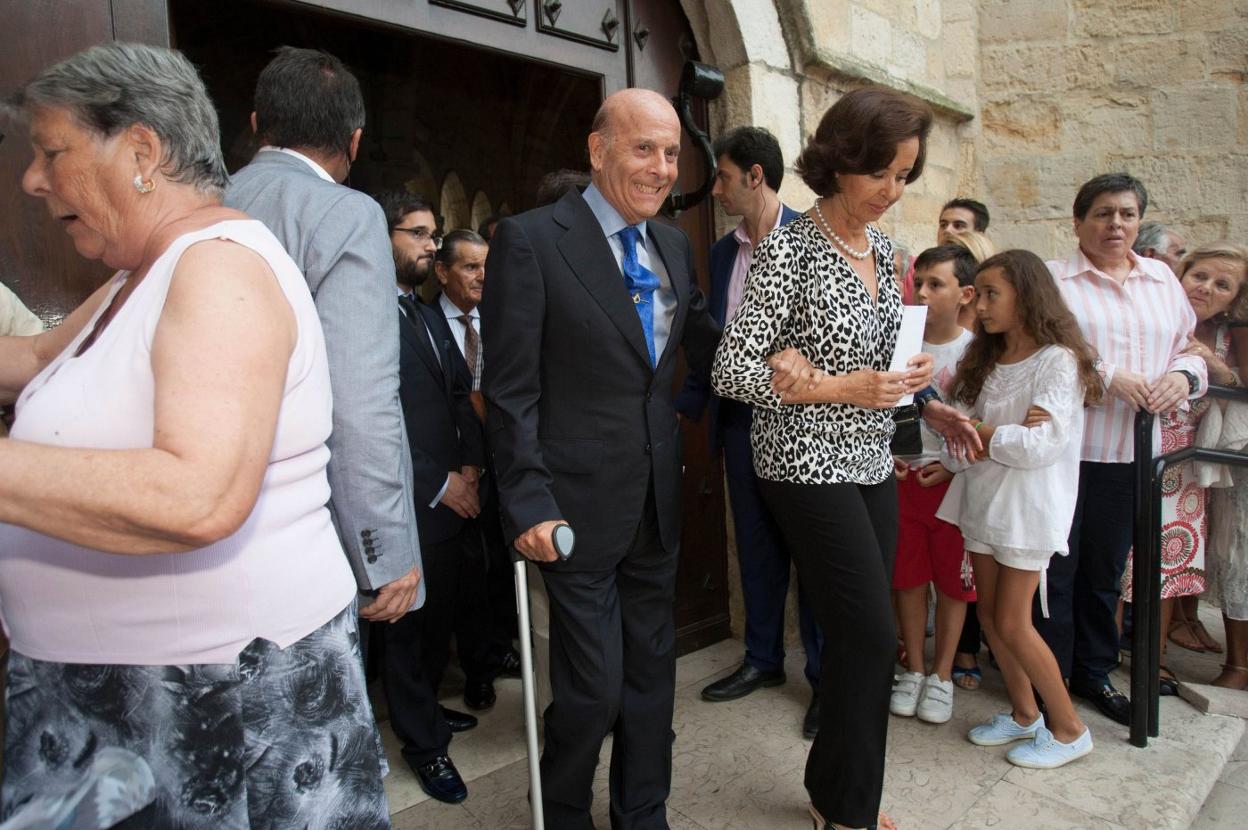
{"x": 841, "y": 243}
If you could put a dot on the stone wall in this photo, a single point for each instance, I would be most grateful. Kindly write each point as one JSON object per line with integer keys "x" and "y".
{"x": 1032, "y": 98}
{"x": 1072, "y": 88}
{"x": 787, "y": 58}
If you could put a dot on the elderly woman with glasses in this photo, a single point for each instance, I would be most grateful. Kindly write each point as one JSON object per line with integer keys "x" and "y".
{"x": 169, "y": 574}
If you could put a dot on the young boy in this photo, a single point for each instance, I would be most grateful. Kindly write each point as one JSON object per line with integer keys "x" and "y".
{"x": 928, "y": 549}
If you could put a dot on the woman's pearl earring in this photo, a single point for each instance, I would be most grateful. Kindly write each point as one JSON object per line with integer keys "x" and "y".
{"x": 143, "y": 186}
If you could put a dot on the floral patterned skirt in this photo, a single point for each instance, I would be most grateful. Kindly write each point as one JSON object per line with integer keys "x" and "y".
{"x": 282, "y": 738}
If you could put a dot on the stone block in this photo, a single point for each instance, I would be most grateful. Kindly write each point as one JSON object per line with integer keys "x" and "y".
{"x": 1030, "y": 187}
{"x": 1030, "y": 123}
{"x": 909, "y": 58}
{"x": 1153, "y": 61}
{"x": 1202, "y": 229}
{"x": 1110, "y": 122}
{"x": 1047, "y": 238}
{"x": 927, "y": 17}
{"x": 1242, "y": 131}
{"x": 1188, "y": 184}
{"x": 1010, "y": 21}
{"x": 829, "y": 23}
{"x": 957, "y": 11}
{"x": 1099, "y": 19}
{"x": 724, "y": 35}
{"x": 1194, "y": 117}
{"x": 764, "y": 39}
{"x": 1228, "y": 54}
{"x": 774, "y": 106}
{"x": 905, "y": 15}
{"x": 959, "y": 48}
{"x": 871, "y": 37}
{"x": 1208, "y": 15}
{"x": 1022, "y": 67}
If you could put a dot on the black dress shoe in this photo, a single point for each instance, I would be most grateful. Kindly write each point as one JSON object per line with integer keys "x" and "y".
{"x": 479, "y": 696}
{"x": 810, "y": 723}
{"x": 441, "y": 780}
{"x": 509, "y": 666}
{"x": 740, "y": 683}
{"x": 458, "y": 721}
{"x": 1110, "y": 702}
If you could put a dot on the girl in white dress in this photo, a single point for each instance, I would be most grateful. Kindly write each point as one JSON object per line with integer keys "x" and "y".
{"x": 1026, "y": 378}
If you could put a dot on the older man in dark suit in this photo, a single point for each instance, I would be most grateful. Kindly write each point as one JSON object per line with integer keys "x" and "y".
{"x": 587, "y": 302}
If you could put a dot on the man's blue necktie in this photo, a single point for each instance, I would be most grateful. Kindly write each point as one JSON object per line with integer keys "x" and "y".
{"x": 642, "y": 283}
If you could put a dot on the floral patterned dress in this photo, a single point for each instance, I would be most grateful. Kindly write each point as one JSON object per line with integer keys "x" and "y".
{"x": 1184, "y": 518}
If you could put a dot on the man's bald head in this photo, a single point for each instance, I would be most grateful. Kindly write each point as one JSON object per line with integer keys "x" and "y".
{"x": 633, "y": 149}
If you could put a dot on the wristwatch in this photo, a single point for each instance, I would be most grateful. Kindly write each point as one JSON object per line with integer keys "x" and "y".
{"x": 1193, "y": 382}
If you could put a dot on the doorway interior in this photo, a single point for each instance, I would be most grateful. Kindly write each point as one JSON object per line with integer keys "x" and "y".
{"x": 471, "y": 130}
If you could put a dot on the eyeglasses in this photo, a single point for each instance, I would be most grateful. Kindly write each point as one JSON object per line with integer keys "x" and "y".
{"x": 421, "y": 234}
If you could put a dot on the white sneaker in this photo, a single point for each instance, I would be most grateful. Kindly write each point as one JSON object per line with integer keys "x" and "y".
{"x": 936, "y": 701}
{"x": 1003, "y": 729}
{"x": 1047, "y": 752}
{"x": 905, "y": 698}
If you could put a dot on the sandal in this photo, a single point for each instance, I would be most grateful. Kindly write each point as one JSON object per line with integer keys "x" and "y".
{"x": 1229, "y": 668}
{"x": 1202, "y": 634}
{"x": 1192, "y": 643}
{"x": 968, "y": 678}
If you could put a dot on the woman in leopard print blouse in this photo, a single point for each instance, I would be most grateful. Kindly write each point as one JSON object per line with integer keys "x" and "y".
{"x": 822, "y": 304}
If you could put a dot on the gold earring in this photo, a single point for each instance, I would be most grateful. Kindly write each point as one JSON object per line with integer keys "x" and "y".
{"x": 143, "y": 186}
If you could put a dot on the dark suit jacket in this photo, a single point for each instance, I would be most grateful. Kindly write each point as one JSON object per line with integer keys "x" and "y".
{"x": 442, "y": 430}
{"x": 697, "y": 396}
{"x": 579, "y": 422}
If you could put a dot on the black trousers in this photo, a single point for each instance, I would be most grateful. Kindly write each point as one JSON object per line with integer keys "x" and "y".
{"x": 612, "y": 669}
{"x": 843, "y": 538}
{"x": 417, "y": 648}
{"x": 1084, "y": 586}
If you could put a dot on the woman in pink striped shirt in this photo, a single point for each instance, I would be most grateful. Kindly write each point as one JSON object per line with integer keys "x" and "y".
{"x": 1134, "y": 313}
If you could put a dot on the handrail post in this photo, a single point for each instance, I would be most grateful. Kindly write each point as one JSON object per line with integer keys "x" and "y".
{"x": 1143, "y": 640}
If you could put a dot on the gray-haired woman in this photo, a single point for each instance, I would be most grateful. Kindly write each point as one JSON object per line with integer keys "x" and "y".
{"x": 169, "y": 574}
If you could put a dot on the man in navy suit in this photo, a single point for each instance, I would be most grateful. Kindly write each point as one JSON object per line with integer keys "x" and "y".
{"x": 447, "y": 447}
{"x": 587, "y": 303}
{"x": 751, "y": 168}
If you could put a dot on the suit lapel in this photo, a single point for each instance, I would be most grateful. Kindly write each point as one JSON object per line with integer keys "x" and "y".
{"x": 589, "y": 255}
{"x": 665, "y": 239}
{"x": 416, "y": 332}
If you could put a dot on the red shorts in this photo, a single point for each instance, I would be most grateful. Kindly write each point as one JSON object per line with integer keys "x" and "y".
{"x": 928, "y": 549}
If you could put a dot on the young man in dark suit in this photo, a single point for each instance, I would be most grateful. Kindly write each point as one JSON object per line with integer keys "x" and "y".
{"x": 447, "y": 451}
{"x": 750, "y": 170}
{"x": 587, "y": 302}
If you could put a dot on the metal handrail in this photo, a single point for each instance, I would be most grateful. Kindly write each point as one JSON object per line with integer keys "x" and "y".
{"x": 1146, "y": 566}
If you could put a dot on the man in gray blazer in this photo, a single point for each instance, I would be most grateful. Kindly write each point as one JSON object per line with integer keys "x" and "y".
{"x": 309, "y": 117}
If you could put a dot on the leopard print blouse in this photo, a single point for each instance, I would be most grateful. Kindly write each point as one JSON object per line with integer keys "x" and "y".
{"x": 802, "y": 292}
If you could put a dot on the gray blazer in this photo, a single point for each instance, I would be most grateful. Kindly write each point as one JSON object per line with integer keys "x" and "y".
{"x": 338, "y": 238}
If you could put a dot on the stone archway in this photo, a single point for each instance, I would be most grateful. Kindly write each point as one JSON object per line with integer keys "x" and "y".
{"x": 454, "y": 203}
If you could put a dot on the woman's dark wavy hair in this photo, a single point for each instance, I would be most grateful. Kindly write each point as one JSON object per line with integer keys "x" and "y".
{"x": 860, "y": 133}
{"x": 1044, "y": 316}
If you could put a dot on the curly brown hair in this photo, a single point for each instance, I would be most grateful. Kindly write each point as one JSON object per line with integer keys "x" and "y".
{"x": 1044, "y": 316}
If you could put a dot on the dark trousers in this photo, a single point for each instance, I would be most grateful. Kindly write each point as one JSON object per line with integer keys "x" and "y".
{"x": 418, "y": 647}
{"x": 843, "y": 538}
{"x": 763, "y": 558}
{"x": 500, "y": 581}
{"x": 612, "y": 669}
{"x": 1084, "y": 586}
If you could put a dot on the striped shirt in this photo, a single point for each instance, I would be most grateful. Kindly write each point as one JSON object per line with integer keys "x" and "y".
{"x": 1141, "y": 325}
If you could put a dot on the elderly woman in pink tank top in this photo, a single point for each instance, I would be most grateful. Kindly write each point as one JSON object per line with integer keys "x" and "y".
{"x": 169, "y": 574}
